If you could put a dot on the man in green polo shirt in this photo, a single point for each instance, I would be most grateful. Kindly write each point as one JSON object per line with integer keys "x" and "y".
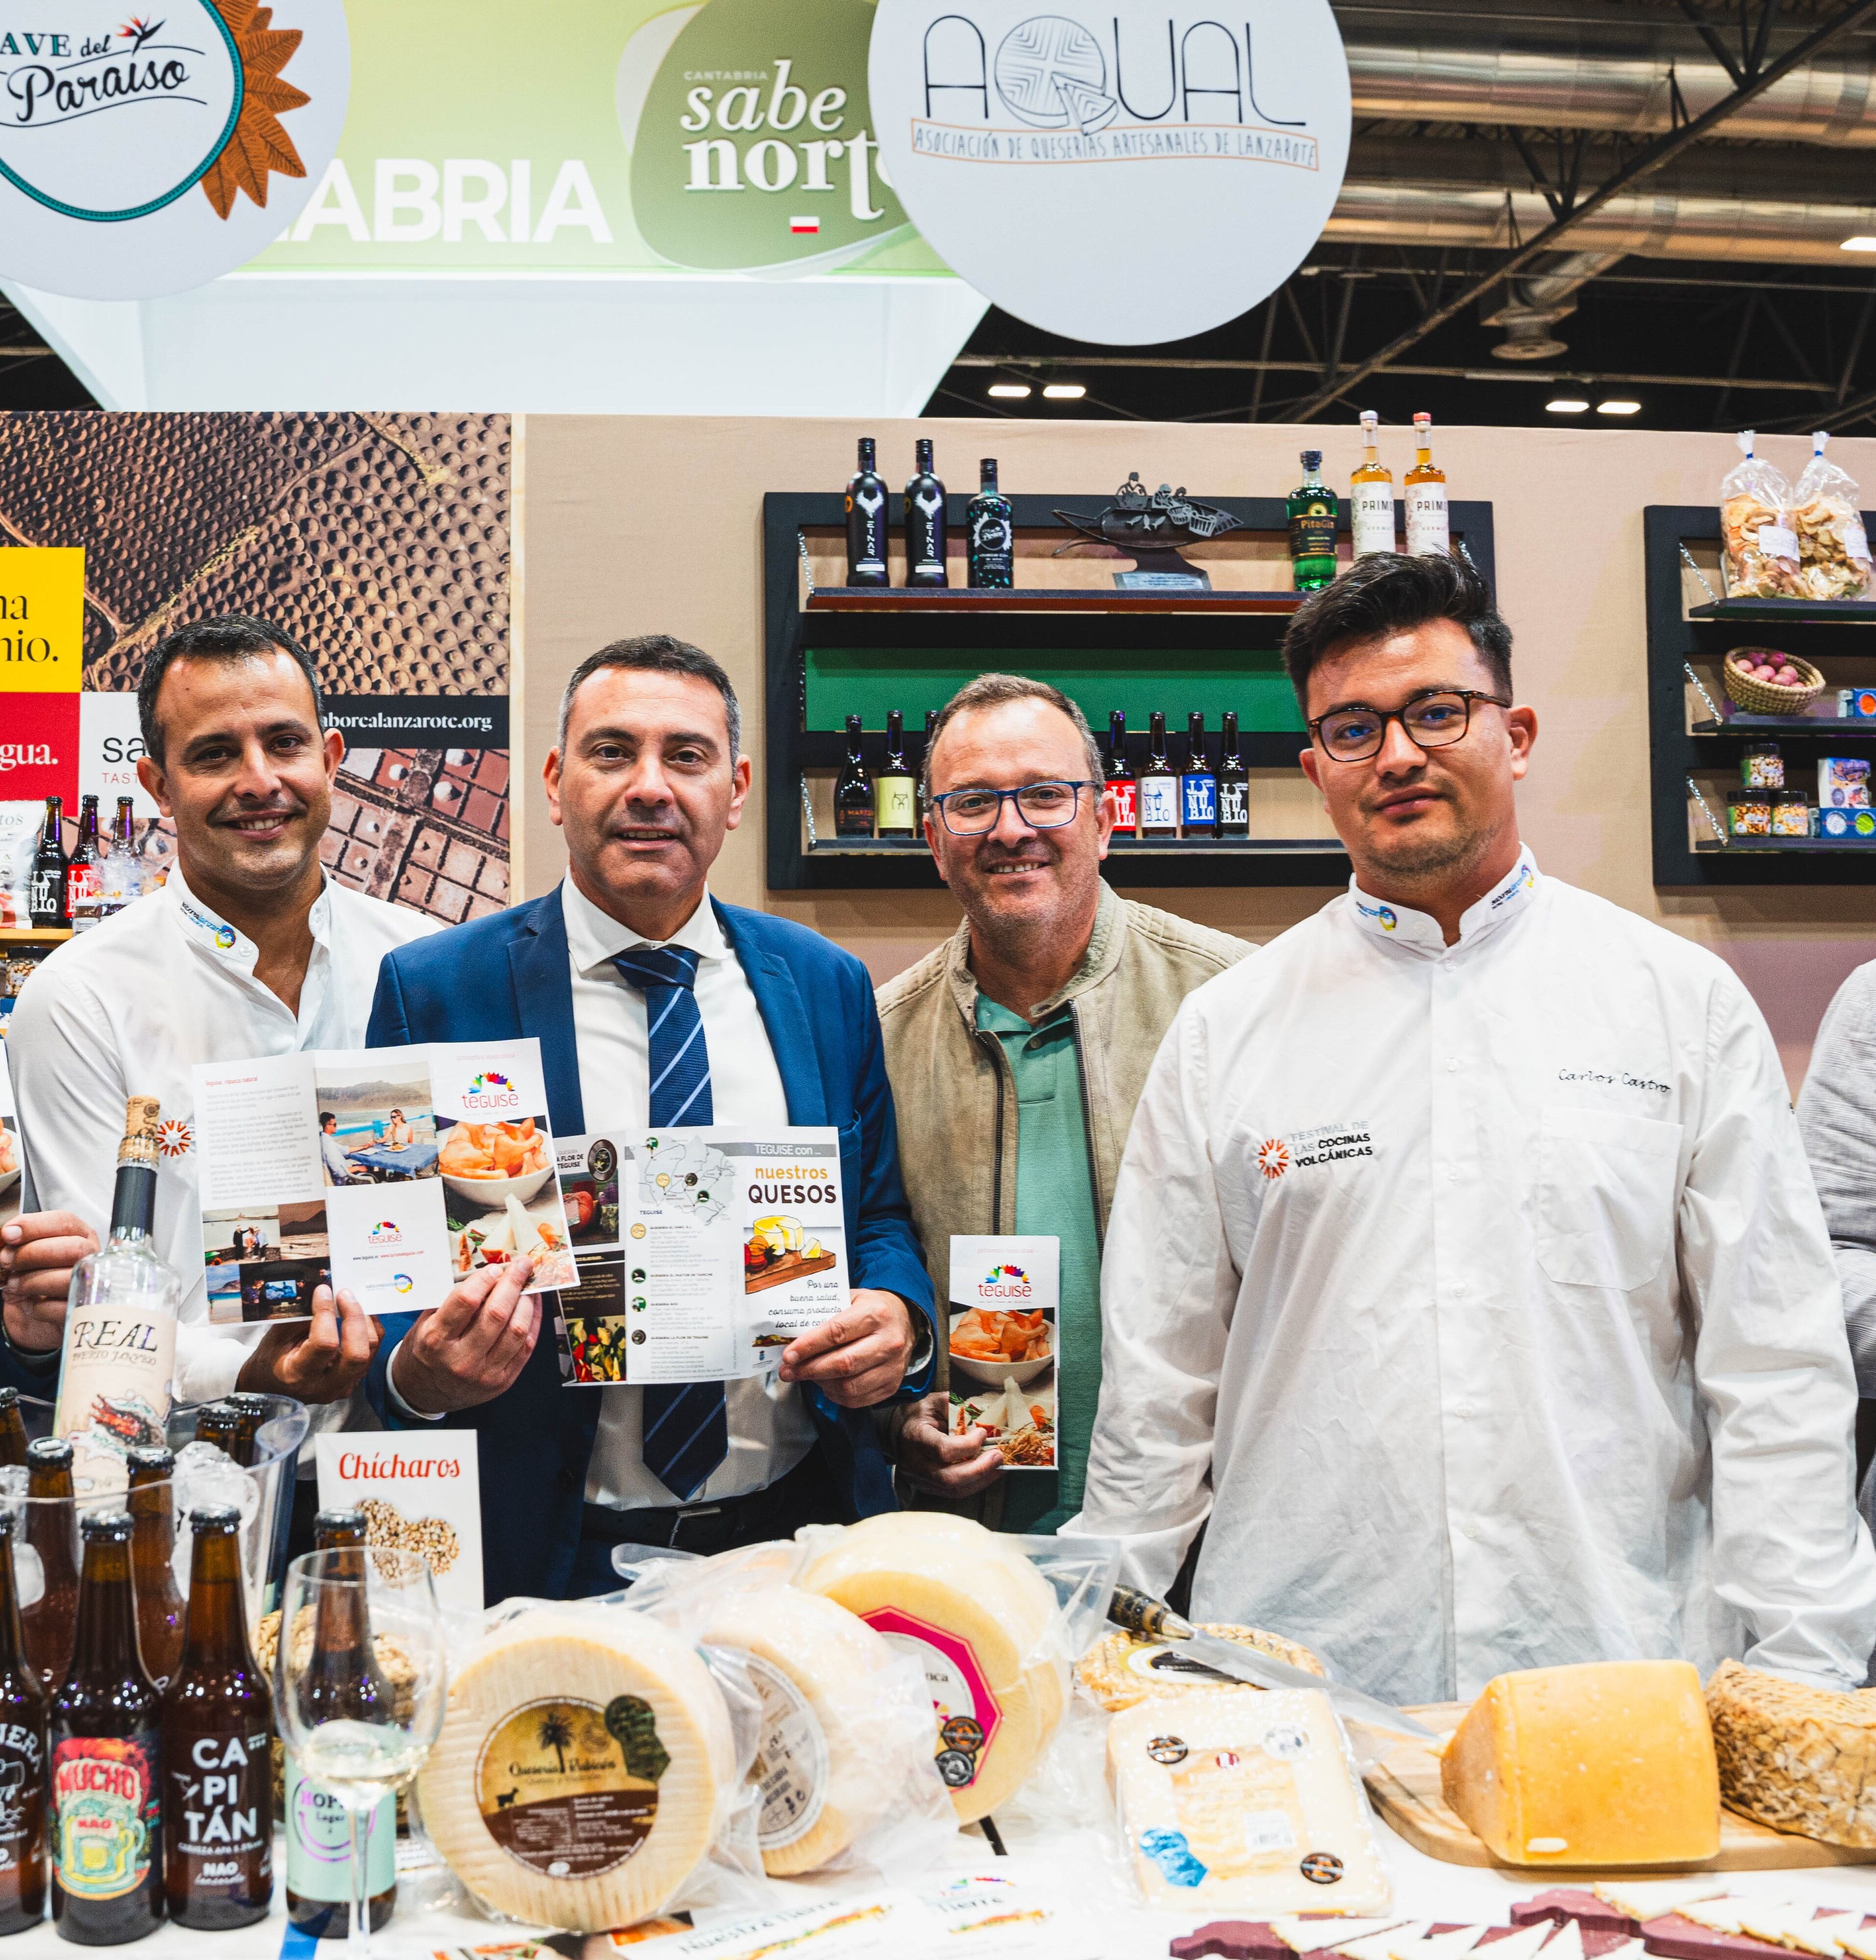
{"x": 1017, "y": 1051}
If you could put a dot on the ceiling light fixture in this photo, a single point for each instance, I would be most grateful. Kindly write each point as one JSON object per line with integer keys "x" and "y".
{"x": 1011, "y": 391}
{"x": 1567, "y": 405}
{"x": 1862, "y": 242}
{"x": 1064, "y": 391}
{"x": 1618, "y": 408}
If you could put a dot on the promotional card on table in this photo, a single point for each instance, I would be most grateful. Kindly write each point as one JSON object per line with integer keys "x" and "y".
{"x": 390, "y": 1172}
{"x": 1006, "y": 1291}
{"x": 702, "y": 1253}
{"x": 419, "y": 1493}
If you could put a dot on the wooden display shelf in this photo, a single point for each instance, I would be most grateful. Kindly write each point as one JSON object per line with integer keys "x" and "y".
{"x": 1812, "y": 611}
{"x": 1740, "y": 722}
{"x": 1731, "y": 844}
{"x": 915, "y": 602}
{"x": 33, "y": 935}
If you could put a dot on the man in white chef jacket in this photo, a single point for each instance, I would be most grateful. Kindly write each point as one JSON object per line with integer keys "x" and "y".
{"x": 1464, "y": 1270}
{"x": 247, "y": 950}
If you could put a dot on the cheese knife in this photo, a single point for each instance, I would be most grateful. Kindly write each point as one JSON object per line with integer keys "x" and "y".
{"x": 1141, "y": 1613}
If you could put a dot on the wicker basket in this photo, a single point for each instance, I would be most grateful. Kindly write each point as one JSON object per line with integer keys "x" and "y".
{"x": 1758, "y": 697}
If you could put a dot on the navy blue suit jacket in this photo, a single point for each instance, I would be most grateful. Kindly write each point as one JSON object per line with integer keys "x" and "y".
{"x": 508, "y": 975}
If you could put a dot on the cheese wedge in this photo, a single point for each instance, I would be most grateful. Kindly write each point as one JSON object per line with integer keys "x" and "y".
{"x": 1801, "y": 1759}
{"x": 1310, "y": 1936}
{"x": 1859, "y": 1942}
{"x": 1797, "y": 1927}
{"x": 1566, "y": 1944}
{"x": 1440, "y": 1945}
{"x": 1526, "y": 1944}
{"x": 1380, "y": 1946}
{"x": 1645, "y": 1899}
{"x": 1723, "y": 1914}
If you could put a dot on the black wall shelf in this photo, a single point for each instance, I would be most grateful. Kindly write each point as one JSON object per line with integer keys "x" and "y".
{"x": 839, "y": 644}
{"x": 1704, "y": 747}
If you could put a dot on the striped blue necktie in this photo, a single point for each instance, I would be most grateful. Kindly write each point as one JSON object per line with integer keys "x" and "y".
{"x": 686, "y": 1432}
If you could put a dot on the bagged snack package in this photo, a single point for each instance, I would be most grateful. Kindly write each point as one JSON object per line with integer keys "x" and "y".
{"x": 1759, "y": 549}
{"x": 845, "y": 1776}
{"x": 1827, "y": 517}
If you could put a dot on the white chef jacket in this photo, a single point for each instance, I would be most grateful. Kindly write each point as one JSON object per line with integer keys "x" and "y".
{"x": 1481, "y": 1296}
{"x": 129, "y": 1008}
{"x": 770, "y": 1425}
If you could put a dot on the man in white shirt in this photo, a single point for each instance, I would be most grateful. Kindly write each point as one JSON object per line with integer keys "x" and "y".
{"x": 247, "y": 950}
{"x": 1464, "y": 1269}
{"x": 657, "y": 1005}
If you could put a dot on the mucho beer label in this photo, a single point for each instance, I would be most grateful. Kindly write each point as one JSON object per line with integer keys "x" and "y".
{"x": 108, "y": 1810}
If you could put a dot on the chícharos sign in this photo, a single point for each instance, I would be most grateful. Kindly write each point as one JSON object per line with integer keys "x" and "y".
{"x": 142, "y": 153}
{"x": 1124, "y": 175}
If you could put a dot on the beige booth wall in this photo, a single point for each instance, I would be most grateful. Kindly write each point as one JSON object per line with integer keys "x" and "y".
{"x": 647, "y": 524}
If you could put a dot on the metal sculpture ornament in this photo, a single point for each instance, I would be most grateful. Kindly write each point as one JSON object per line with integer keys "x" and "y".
{"x": 144, "y": 153}
{"x": 1118, "y": 174}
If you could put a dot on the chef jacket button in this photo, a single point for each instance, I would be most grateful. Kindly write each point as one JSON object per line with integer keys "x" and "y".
{"x": 1452, "y": 1173}
{"x": 1452, "y": 1064}
{"x": 1463, "y": 1410}
{"x": 1469, "y": 1530}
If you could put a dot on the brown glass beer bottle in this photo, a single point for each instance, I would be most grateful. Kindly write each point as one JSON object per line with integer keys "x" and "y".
{"x": 160, "y": 1605}
{"x": 24, "y": 1749}
{"x": 217, "y": 1424}
{"x": 12, "y": 1428}
{"x": 318, "y": 1876}
{"x": 217, "y": 1746}
{"x": 250, "y": 1412}
{"x": 51, "y": 1531}
{"x": 107, "y": 1759}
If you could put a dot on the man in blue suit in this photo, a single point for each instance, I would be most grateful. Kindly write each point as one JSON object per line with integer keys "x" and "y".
{"x": 657, "y": 1006}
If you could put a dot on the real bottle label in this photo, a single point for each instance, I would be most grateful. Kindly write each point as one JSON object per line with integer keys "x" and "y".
{"x": 1122, "y": 802}
{"x": 22, "y": 1776}
{"x": 1234, "y": 803}
{"x": 895, "y": 801}
{"x": 221, "y": 1810}
{"x": 1201, "y": 799}
{"x": 114, "y": 1386}
{"x": 319, "y": 1843}
{"x": 1159, "y": 802}
{"x": 1427, "y": 529}
{"x": 1371, "y": 517}
{"x": 108, "y": 1811}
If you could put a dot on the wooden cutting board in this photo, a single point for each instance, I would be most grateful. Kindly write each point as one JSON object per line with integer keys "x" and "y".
{"x": 1404, "y": 1788}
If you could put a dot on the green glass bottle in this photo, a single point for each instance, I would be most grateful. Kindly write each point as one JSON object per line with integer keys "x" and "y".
{"x": 1312, "y": 508}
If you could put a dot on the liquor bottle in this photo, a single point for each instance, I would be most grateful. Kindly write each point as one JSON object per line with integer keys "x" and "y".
{"x": 81, "y": 869}
{"x": 1159, "y": 788}
{"x": 52, "y": 1530}
{"x": 12, "y": 1429}
{"x": 892, "y": 788}
{"x": 853, "y": 790}
{"x": 24, "y": 1752}
{"x": 160, "y": 1608}
{"x": 924, "y": 768}
{"x": 251, "y": 1412}
{"x": 1371, "y": 493}
{"x": 1234, "y": 783}
{"x": 990, "y": 534}
{"x": 120, "y": 871}
{"x": 1120, "y": 791}
{"x": 1425, "y": 486}
{"x": 1312, "y": 514}
{"x": 45, "y": 903}
{"x": 1198, "y": 786}
{"x": 866, "y": 522}
{"x": 925, "y": 523}
{"x": 216, "y": 1423}
{"x": 119, "y": 1355}
{"x": 217, "y": 1746}
{"x": 107, "y": 1759}
{"x": 318, "y": 1839}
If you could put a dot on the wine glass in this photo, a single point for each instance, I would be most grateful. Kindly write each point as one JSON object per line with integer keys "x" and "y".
{"x": 361, "y": 1679}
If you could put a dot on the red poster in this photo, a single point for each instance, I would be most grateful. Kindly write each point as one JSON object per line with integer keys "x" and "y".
{"x": 38, "y": 748}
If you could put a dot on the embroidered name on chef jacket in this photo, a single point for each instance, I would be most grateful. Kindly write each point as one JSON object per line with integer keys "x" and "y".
{"x": 1309, "y": 1149}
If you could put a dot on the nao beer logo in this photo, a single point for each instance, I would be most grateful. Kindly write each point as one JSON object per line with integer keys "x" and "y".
{"x": 1121, "y": 174}
{"x": 142, "y": 153}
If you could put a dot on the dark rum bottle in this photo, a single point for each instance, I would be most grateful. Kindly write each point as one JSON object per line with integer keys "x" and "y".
{"x": 925, "y": 523}
{"x": 1198, "y": 786}
{"x": 990, "y": 530}
{"x": 1233, "y": 784}
{"x": 892, "y": 787}
{"x": 866, "y": 522}
{"x": 1120, "y": 791}
{"x": 1312, "y": 514}
{"x": 853, "y": 789}
{"x": 1159, "y": 786}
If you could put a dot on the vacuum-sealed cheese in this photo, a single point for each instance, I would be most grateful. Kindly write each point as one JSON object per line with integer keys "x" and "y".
{"x": 1244, "y": 1798}
{"x": 1123, "y": 1668}
{"x": 585, "y": 1759}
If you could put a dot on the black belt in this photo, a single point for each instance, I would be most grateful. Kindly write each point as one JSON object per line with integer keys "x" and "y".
{"x": 804, "y": 1496}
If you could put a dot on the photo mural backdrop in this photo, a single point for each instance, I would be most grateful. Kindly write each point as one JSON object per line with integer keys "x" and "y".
{"x": 380, "y": 541}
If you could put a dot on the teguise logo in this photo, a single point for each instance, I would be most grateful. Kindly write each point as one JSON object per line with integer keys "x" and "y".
{"x": 490, "y": 1090}
{"x": 385, "y": 1232}
{"x": 142, "y": 153}
{"x": 1005, "y": 1282}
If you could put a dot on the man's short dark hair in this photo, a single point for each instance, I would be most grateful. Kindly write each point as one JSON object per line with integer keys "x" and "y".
{"x": 655, "y": 652}
{"x": 231, "y": 636}
{"x": 1387, "y": 592}
{"x": 992, "y": 690}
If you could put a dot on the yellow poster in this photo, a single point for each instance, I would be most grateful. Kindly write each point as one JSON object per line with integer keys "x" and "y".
{"x": 42, "y": 618}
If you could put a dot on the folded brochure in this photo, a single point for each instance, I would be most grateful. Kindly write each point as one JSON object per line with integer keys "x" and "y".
{"x": 1004, "y": 1330}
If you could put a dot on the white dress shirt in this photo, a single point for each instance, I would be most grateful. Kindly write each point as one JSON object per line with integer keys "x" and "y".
{"x": 1481, "y": 1296}
{"x": 771, "y": 1427}
{"x": 129, "y": 1008}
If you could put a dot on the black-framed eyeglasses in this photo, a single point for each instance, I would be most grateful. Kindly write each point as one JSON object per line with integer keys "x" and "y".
{"x": 1434, "y": 720}
{"x": 1041, "y": 805}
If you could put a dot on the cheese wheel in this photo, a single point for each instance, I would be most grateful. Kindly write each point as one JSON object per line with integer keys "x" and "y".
{"x": 583, "y": 1759}
{"x": 1799, "y": 1758}
{"x": 980, "y": 1619}
{"x": 826, "y": 1769}
{"x": 1122, "y": 1669}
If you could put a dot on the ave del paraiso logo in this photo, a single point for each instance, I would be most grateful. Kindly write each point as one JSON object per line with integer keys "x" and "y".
{"x": 144, "y": 152}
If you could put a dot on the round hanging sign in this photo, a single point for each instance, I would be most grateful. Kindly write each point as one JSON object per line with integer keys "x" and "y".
{"x": 1124, "y": 175}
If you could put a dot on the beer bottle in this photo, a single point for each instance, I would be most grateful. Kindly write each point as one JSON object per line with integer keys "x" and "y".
{"x": 107, "y": 1759}
{"x": 45, "y": 902}
{"x": 318, "y": 1839}
{"x": 81, "y": 871}
{"x": 217, "y": 1746}
{"x": 51, "y": 1531}
{"x": 160, "y": 1605}
{"x": 12, "y": 1429}
{"x": 250, "y": 1412}
{"x": 217, "y": 1424}
{"x": 24, "y": 1704}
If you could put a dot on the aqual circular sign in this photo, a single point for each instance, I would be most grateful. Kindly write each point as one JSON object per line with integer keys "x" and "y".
{"x": 145, "y": 153}
{"x": 1124, "y": 175}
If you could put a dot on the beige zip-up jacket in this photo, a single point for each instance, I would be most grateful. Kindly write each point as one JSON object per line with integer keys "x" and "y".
{"x": 951, "y": 1085}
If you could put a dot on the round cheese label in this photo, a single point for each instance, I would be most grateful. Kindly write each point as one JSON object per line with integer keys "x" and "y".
{"x": 968, "y": 1716}
{"x": 1160, "y": 1659}
{"x": 569, "y": 1789}
{"x": 790, "y": 1767}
